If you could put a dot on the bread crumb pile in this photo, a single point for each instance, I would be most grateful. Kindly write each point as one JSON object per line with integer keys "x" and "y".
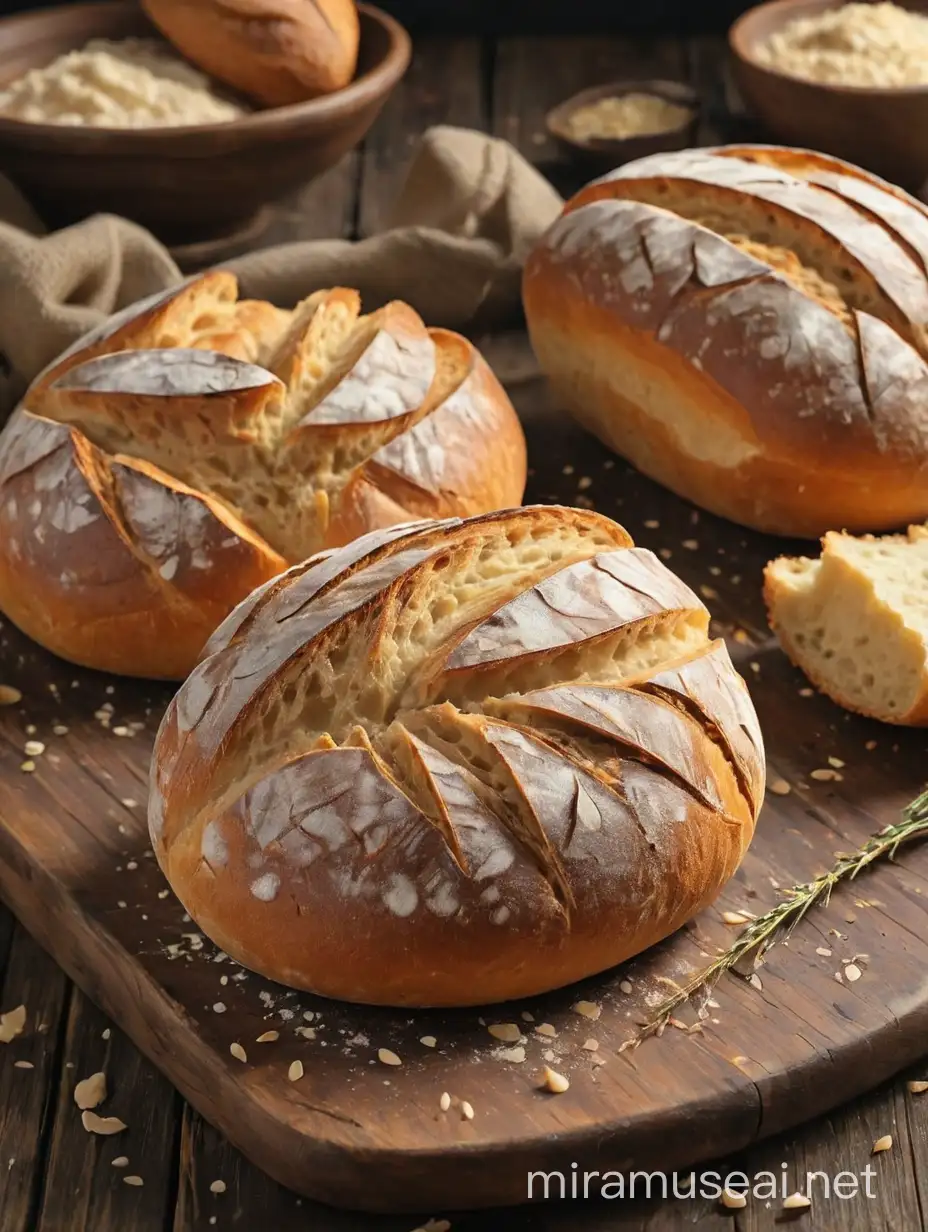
{"x": 628, "y": 115}
{"x": 877, "y": 45}
{"x": 136, "y": 83}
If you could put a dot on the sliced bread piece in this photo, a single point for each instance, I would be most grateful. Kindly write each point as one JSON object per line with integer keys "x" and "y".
{"x": 856, "y": 621}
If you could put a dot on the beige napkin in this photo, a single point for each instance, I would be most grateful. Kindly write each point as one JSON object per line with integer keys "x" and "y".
{"x": 471, "y": 209}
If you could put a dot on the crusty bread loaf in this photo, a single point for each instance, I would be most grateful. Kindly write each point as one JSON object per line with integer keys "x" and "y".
{"x": 457, "y": 762}
{"x": 856, "y": 621}
{"x": 275, "y": 51}
{"x": 168, "y": 464}
{"x": 749, "y": 326}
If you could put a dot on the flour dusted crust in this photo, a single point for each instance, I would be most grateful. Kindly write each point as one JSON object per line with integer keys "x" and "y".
{"x": 190, "y": 449}
{"x": 748, "y": 325}
{"x": 457, "y": 762}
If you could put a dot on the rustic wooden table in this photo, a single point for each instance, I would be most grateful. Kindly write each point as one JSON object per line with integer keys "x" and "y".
{"x": 55, "y": 1176}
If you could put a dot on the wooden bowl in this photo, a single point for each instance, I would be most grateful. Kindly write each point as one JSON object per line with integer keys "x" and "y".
{"x": 605, "y": 153}
{"x": 192, "y": 183}
{"x": 885, "y": 131}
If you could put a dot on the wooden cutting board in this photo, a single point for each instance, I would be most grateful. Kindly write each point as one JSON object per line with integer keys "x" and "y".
{"x": 76, "y": 868}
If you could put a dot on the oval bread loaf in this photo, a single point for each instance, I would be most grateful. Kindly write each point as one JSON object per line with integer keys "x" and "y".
{"x": 171, "y": 462}
{"x": 275, "y": 51}
{"x": 457, "y": 762}
{"x": 749, "y": 326}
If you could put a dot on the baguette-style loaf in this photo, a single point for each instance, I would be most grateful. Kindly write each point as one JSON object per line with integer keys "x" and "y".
{"x": 457, "y": 762}
{"x": 168, "y": 464}
{"x": 749, "y": 326}
{"x": 275, "y": 51}
{"x": 856, "y": 621}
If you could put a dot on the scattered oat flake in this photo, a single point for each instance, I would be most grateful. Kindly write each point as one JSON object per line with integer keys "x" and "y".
{"x": 796, "y": 1202}
{"x": 754, "y": 981}
{"x": 825, "y": 953}
{"x": 23, "y": 1065}
{"x": 238, "y": 1052}
{"x": 826, "y": 776}
{"x": 882, "y": 1144}
{"x": 545, "y": 1028}
{"x": 708, "y": 592}
{"x": 806, "y": 692}
{"x": 652, "y": 524}
{"x": 33, "y": 748}
{"x": 106, "y": 1033}
{"x": 508, "y": 1032}
{"x": 306, "y": 1032}
{"x": 836, "y": 762}
{"x": 90, "y": 1091}
{"x": 434, "y": 1225}
{"x": 625, "y": 986}
{"x": 554, "y": 1082}
{"x": 691, "y": 545}
{"x": 386, "y": 1057}
{"x": 733, "y": 1201}
{"x": 588, "y": 1009}
{"x": 59, "y": 729}
{"x": 870, "y": 746}
{"x": 12, "y": 1024}
{"x": 133, "y": 1180}
{"x": 526, "y": 1016}
{"x": 121, "y": 1161}
{"x": 918, "y": 1087}
{"x": 780, "y": 787}
{"x": 268, "y": 1037}
{"x": 217, "y": 1187}
{"x": 27, "y": 767}
{"x": 429, "y": 1041}
{"x": 9, "y": 696}
{"x": 735, "y": 917}
{"x": 295, "y": 1072}
{"x": 591, "y": 1045}
{"x": 467, "y": 1110}
{"x": 445, "y": 1102}
{"x": 852, "y": 973}
{"x": 101, "y": 1125}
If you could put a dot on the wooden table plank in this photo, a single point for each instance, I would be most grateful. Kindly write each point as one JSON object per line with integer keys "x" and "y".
{"x": 83, "y": 1189}
{"x": 32, "y": 979}
{"x": 444, "y": 85}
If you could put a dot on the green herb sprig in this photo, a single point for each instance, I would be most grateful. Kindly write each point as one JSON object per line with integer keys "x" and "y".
{"x": 779, "y": 922}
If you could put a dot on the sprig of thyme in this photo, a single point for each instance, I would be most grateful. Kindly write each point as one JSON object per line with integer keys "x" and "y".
{"x": 779, "y": 922}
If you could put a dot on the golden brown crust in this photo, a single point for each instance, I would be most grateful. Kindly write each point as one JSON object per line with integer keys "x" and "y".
{"x": 275, "y": 51}
{"x": 674, "y": 317}
{"x": 169, "y": 444}
{"x": 324, "y": 800}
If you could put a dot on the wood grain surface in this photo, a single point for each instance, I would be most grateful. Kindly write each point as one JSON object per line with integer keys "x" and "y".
{"x": 765, "y": 1058}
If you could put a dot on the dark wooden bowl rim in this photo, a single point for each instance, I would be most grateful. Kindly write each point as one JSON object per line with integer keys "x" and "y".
{"x": 671, "y": 91}
{"x": 277, "y": 120}
{"x": 742, "y": 40}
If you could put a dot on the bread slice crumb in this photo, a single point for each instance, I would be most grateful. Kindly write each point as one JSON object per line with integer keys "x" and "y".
{"x": 856, "y": 621}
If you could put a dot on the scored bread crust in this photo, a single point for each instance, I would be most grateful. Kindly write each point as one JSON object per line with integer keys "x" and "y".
{"x": 275, "y": 51}
{"x": 853, "y": 622}
{"x": 457, "y": 762}
{"x": 195, "y": 445}
{"x": 749, "y": 326}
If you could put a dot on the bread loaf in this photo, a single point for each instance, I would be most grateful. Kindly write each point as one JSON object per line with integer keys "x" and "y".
{"x": 856, "y": 621}
{"x": 275, "y": 51}
{"x": 170, "y": 463}
{"x": 457, "y": 762}
{"x": 749, "y": 326}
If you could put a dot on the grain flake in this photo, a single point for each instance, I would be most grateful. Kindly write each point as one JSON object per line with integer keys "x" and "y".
{"x": 587, "y": 1009}
{"x": 733, "y": 1201}
{"x": 428, "y": 1041}
{"x": 91, "y": 1091}
{"x": 445, "y": 1102}
{"x": 780, "y": 787}
{"x": 217, "y": 1187}
{"x": 554, "y": 1082}
{"x": 882, "y": 1144}
{"x": 467, "y": 1110}
{"x": 101, "y": 1125}
{"x": 121, "y": 1161}
{"x": 12, "y": 1024}
{"x": 507, "y": 1032}
{"x": 133, "y": 1180}
{"x": 295, "y": 1072}
{"x": 238, "y": 1052}
{"x": 9, "y": 696}
{"x": 386, "y": 1057}
{"x": 545, "y": 1028}
{"x": 268, "y": 1037}
{"x": 796, "y": 1202}
{"x": 918, "y": 1087}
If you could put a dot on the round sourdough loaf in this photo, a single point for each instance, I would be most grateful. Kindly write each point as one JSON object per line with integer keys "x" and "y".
{"x": 275, "y": 51}
{"x": 168, "y": 464}
{"x": 749, "y": 326}
{"x": 457, "y": 762}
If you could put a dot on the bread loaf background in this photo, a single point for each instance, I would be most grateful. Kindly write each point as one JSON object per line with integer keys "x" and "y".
{"x": 749, "y": 326}
{"x": 171, "y": 462}
{"x": 856, "y": 621}
{"x": 275, "y": 51}
{"x": 505, "y": 749}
